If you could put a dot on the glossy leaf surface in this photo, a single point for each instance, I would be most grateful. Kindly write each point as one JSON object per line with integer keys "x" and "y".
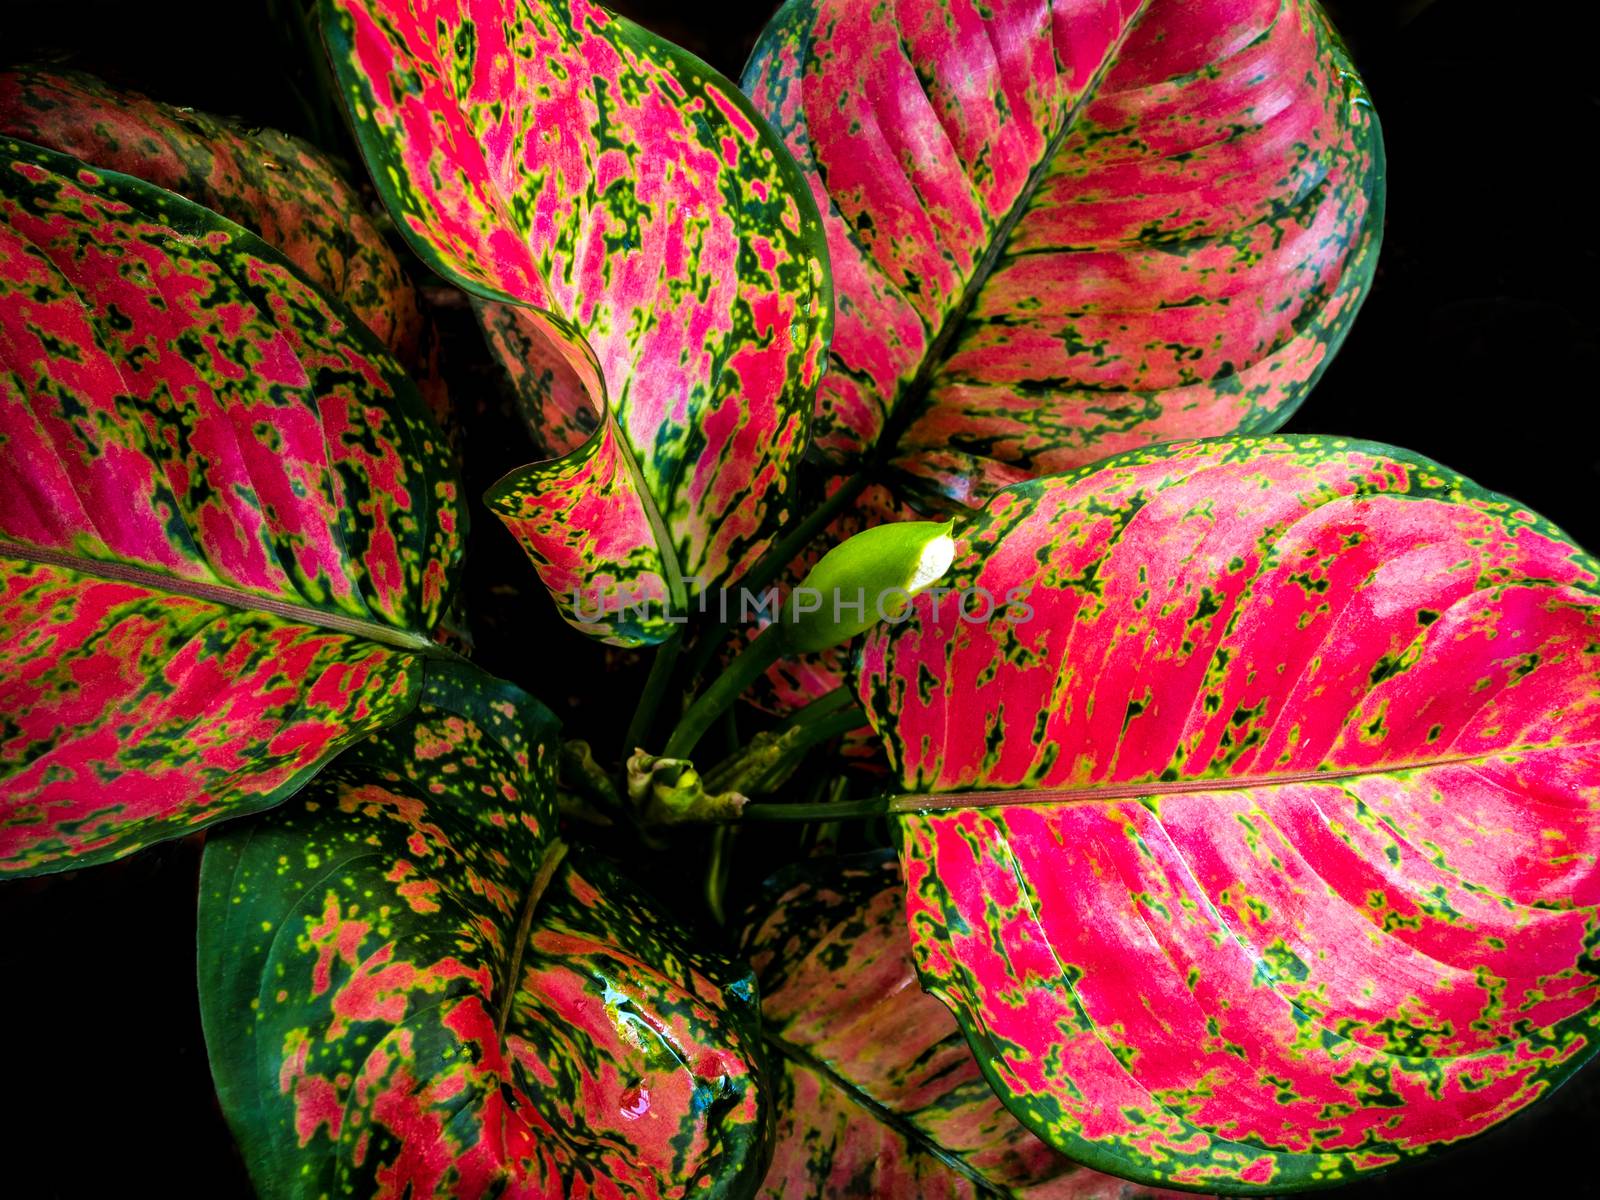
{"x": 409, "y": 991}
{"x": 879, "y": 1094}
{"x": 274, "y": 185}
{"x": 1312, "y": 888}
{"x": 1060, "y": 231}
{"x": 662, "y": 250}
{"x": 227, "y": 528}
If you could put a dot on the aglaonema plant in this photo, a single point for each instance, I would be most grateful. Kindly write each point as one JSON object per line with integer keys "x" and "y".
{"x": 410, "y": 982}
{"x": 639, "y": 228}
{"x": 1238, "y": 832}
{"x": 872, "y": 1079}
{"x": 229, "y": 527}
{"x": 1272, "y": 858}
{"x": 1062, "y": 231}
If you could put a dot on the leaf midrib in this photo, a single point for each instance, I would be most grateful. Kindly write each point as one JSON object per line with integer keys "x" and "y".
{"x": 553, "y": 855}
{"x": 900, "y": 1123}
{"x": 927, "y": 802}
{"x": 911, "y": 399}
{"x": 223, "y": 594}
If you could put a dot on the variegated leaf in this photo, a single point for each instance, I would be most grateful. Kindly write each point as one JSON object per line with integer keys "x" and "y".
{"x": 277, "y": 187}
{"x": 226, "y": 524}
{"x": 878, "y": 1093}
{"x": 1064, "y": 230}
{"x": 409, "y": 990}
{"x": 663, "y": 255}
{"x": 1300, "y": 874}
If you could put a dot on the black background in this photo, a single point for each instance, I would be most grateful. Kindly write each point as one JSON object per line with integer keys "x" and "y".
{"x": 1477, "y": 347}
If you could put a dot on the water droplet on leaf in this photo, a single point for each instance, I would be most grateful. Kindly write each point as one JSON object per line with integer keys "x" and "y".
{"x": 635, "y": 1101}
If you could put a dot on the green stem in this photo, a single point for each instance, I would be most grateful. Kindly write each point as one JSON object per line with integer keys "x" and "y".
{"x": 838, "y": 700}
{"x": 553, "y": 854}
{"x": 773, "y": 756}
{"x": 832, "y": 725}
{"x": 849, "y": 810}
{"x": 705, "y": 651}
{"x": 772, "y": 565}
{"x": 720, "y": 866}
{"x": 825, "y": 834}
{"x": 783, "y": 552}
{"x": 655, "y": 687}
{"x": 739, "y": 674}
{"x": 717, "y": 872}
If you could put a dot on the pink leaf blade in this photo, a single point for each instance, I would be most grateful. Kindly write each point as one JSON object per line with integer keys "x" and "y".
{"x": 1060, "y": 232}
{"x": 881, "y": 1095}
{"x": 567, "y": 161}
{"x": 408, "y": 987}
{"x": 229, "y": 526}
{"x": 281, "y": 189}
{"x": 1285, "y": 865}
{"x": 134, "y": 715}
{"x": 588, "y": 530}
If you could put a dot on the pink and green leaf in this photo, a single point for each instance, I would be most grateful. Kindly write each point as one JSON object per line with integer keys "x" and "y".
{"x": 408, "y": 989}
{"x": 1061, "y": 231}
{"x": 551, "y": 396}
{"x": 279, "y": 188}
{"x": 1261, "y": 848}
{"x": 227, "y": 526}
{"x": 635, "y": 219}
{"x": 878, "y": 1094}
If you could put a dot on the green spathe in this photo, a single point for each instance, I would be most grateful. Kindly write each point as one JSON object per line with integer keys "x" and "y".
{"x": 868, "y": 578}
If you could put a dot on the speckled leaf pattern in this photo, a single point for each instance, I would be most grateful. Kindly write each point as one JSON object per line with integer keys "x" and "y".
{"x": 408, "y": 991}
{"x": 277, "y": 187}
{"x": 659, "y": 243}
{"x": 879, "y": 1095}
{"x": 1313, "y": 886}
{"x": 1064, "y": 230}
{"x": 226, "y": 524}
{"x": 551, "y": 396}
